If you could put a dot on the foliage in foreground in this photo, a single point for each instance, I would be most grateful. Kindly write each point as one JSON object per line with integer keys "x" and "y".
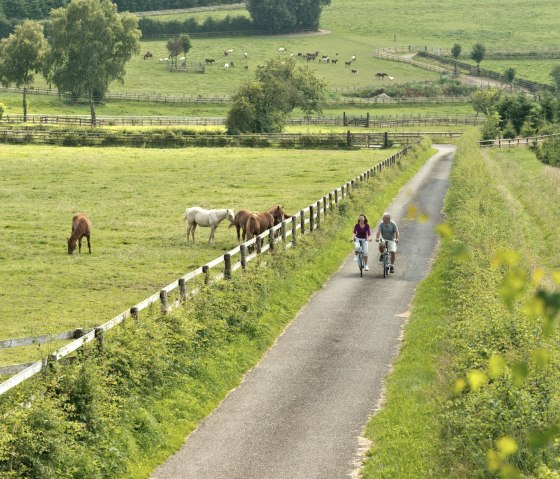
{"x": 475, "y": 390}
{"x": 116, "y": 408}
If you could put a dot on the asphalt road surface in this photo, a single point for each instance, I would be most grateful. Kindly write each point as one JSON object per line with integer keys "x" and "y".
{"x": 300, "y": 412}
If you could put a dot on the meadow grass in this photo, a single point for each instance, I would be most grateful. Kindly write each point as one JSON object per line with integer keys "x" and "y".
{"x": 136, "y": 199}
{"x": 459, "y": 320}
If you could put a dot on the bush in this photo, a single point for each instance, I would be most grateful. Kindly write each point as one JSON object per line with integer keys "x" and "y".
{"x": 2, "y": 110}
{"x": 549, "y": 152}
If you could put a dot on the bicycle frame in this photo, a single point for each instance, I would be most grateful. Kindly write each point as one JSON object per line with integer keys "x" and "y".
{"x": 386, "y": 260}
{"x": 360, "y": 255}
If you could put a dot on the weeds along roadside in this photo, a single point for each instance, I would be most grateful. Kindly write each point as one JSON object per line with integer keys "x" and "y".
{"x": 120, "y": 411}
{"x": 448, "y": 406}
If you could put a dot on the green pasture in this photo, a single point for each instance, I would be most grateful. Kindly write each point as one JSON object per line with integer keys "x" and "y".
{"x": 218, "y": 14}
{"x": 136, "y": 199}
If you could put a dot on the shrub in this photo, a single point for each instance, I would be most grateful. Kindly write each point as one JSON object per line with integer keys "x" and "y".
{"x": 2, "y": 110}
{"x": 549, "y": 152}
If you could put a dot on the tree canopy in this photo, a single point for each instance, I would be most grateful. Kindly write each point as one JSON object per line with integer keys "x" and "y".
{"x": 89, "y": 44}
{"x": 286, "y": 14}
{"x": 262, "y": 105}
{"x": 477, "y": 54}
{"x": 21, "y": 56}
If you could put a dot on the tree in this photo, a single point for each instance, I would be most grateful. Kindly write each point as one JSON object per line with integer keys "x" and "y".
{"x": 477, "y": 54}
{"x": 455, "y": 52}
{"x": 21, "y": 56}
{"x": 286, "y": 14}
{"x": 509, "y": 76}
{"x": 174, "y": 46}
{"x": 486, "y": 101}
{"x": 555, "y": 74}
{"x": 89, "y": 45}
{"x": 262, "y": 105}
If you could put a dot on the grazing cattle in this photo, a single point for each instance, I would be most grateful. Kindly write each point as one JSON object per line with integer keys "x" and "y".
{"x": 381, "y": 76}
{"x": 230, "y": 50}
{"x": 390, "y": 78}
{"x": 348, "y": 63}
{"x": 282, "y": 50}
{"x": 225, "y": 53}
{"x": 325, "y": 59}
{"x": 245, "y": 54}
{"x": 196, "y": 216}
{"x": 353, "y": 58}
{"x": 148, "y": 54}
{"x": 354, "y": 72}
{"x": 226, "y": 66}
{"x": 209, "y": 61}
{"x": 81, "y": 226}
{"x": 334, "y": 61}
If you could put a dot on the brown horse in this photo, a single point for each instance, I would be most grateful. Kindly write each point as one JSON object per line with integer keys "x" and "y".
{"x": 240, "y": 222}
{"x": 258, "y": 223}
{"x": 81, "y": 226}
{"x": 278, "y": 214}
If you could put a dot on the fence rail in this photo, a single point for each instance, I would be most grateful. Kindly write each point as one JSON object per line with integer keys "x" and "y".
{"x": 305, "y": 221}
{"x": 516, "y": 142}
{"x": 376, "y": 121}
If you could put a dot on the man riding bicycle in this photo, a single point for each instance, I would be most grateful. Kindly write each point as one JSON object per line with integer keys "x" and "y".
{"x": 362, "y": 232}
{"x": 388, "y": 230}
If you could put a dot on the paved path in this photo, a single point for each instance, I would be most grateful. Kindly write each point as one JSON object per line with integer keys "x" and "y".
{"x": 299, "y": 413}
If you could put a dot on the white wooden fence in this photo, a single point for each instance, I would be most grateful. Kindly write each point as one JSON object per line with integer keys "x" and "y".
{"x": 306, "y": 220}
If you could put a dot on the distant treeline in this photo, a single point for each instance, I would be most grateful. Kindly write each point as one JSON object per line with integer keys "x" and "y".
{"x": 238, "y": 23}
{"x": 13, "y": 11}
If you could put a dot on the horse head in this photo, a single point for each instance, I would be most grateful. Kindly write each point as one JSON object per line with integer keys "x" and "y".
{"x": 278, "y": 214}
{"x": 71, "y": 245}
{"x": 230, "y": 216}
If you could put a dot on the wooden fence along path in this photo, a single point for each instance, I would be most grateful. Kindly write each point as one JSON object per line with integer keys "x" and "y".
{"x": 305, "y": 221}
{"x": 516, "y": 142}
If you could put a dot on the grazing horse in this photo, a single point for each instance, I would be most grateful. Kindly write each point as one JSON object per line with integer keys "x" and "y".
{"x": 348, "y": 63}
{"x": 196, "y": 216}
{"x": 148, "y": 54}
{"x": 209, "y": 61}
{"x": 258, "y": 223}
{"x": 354, "y": 72}
{"x": 240, "y": 222}
{"x": 81, "y": 226}
{"x": 278, "y": 214}
{"x": 381, "y": 76}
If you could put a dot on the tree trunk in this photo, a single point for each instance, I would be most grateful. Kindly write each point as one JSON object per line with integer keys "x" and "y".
{"x": 92, "y": 110}
{"x": 24, "y": 104}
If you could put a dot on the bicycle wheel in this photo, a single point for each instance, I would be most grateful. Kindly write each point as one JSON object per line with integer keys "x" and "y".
{"x": 361, "y": 263}
{"x": 385, "y": 264}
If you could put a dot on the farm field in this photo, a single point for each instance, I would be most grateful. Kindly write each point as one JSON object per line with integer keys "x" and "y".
{"x": 136, "y": 199}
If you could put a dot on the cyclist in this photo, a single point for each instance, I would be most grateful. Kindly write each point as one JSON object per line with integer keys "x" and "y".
{"x": 362, "y": 231}
{"x": 388, "y": 230}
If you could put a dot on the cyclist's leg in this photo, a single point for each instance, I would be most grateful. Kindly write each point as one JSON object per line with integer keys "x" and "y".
{"x": 365, "y": 248}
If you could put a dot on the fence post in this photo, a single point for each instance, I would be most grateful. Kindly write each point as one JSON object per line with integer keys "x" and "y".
{"x": 259, "y": 244}
{"x": 99, "y": 336}
{"x": 206, "y": 273}
{"x": 311, "y": 219}
{"x": 294, "y": 230}
{"x": 283, "y": 231}
{"x": 227, "y": 268}
{"x": 163, "y": 300}
{"x": 271, "y": 240}
{"x": 336, "y": 197}
{"x": 348, "y": 139}
{"x": 318, "y": 214}
{"x": 302, "y": 222}
{"x": 243, "y": 253}
{"x": 342, "y": 191}
{"x": 324, "y": 206}
{"x": 134, "y": 313}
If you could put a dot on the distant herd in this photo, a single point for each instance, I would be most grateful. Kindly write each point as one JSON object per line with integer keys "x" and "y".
{"x": 309, "y": 57}
{"x": 248, "y": 224}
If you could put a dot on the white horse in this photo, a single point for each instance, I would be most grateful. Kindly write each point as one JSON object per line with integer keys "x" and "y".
{"x": 196, "y": 216}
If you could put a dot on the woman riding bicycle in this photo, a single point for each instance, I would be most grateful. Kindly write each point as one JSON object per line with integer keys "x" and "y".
{"x": 361, "y": 234}
{"x": 388, "y": 230}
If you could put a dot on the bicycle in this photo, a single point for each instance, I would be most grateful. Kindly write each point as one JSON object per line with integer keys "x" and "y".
{"x": 360, "y": 254}
{"x": 386, "y": 262}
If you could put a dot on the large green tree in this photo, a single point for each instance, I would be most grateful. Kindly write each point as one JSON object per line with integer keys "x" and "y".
{"x": 455, "y": 52}
{"x": 286, "y": 14}
{"x": 90, "y": 44}
{"x": 21, "y": 56}
{"x": 478, "y": 53}
{"x": 262, "y": 105}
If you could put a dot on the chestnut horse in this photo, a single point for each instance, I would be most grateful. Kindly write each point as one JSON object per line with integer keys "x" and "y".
{"x": 240, "y": 222}
{"x": 258, "y": 223}
{"x": 278, "y": 214}
{"x": 81, "y": 226}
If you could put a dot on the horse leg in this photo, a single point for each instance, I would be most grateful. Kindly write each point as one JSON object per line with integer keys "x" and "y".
{"x": 80, "y": 245}
{"x": 188, "y": 232}
{"x": 192, "y": 230}
{"x": 238, "y": 227}
{"x": 88, "y": 244}
{"x": 211, "y": 237}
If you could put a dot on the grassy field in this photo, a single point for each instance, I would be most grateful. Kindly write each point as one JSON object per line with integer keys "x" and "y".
{"x": 136, "y": 199}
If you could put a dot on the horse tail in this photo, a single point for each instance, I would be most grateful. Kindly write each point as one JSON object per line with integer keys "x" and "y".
{"x": 186, "y": 214}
